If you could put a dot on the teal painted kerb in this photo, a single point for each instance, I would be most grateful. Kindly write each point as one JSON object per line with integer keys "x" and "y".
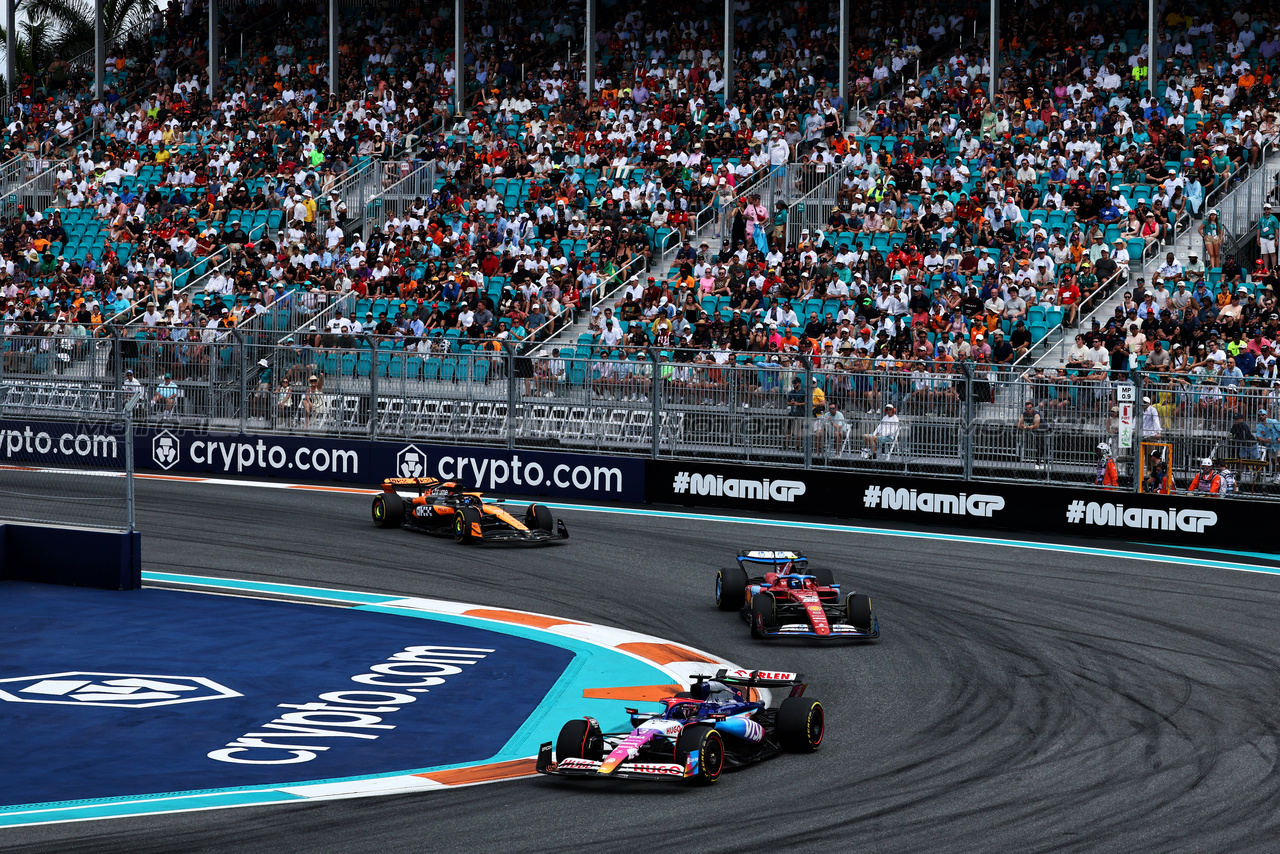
{"x": 592, "y": 666}
{"x": 1259, "y": 555}
{"x": 122, "y": 807}
{"x": 352, "y": 596}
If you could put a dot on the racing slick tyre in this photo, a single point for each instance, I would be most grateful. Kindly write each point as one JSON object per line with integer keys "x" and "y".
{"x": 464, "y": 520}
{"x": 710, "y": 747}
{"x": 800, "y": 724}
{"x": 858, "y": 608}
{"x": 388, "y": 510}
{"x": 731, "y": 588}
{"x": 764, "y": 614}
{"x": 823, "y": 576}
{"x": 539, "y": 517}
{"x": 580, "y": 739}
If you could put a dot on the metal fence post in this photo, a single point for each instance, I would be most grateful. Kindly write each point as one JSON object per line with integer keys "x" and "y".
{"x": 806, "y": 419}
{"x": 1139, "y": 413}
{"x": 655, "y": 401}
{"x": 510, "y": 349}
{"x": 117, "y": 367}
{"x": 242, "y": 355}
{"x": 966, "y": 422}
{"x": 130, "y": 518}
{"x": 373, "y": 385}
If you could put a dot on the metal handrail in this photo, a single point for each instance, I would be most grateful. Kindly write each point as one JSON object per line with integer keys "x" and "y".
{"x": 1106, "y": 286}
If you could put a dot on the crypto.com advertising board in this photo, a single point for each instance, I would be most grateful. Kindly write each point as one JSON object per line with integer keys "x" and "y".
{"x": 520, "y": 472}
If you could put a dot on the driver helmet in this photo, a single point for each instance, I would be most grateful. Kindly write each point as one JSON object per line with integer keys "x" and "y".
{"x": 1104, "y": 450}
{"x": 687, "y": 711}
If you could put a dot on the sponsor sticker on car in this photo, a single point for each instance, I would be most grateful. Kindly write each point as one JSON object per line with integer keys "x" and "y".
{"x": 649, "y": 768}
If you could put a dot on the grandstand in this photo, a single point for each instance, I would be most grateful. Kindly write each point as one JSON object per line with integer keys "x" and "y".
{"x": 647, "y": 235}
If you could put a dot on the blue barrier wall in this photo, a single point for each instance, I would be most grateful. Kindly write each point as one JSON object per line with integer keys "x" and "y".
{"x": 79, "y": 557}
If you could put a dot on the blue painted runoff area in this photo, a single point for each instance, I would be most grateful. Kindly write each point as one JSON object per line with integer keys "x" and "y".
{"x": 109, "y": 694}
{"x": 115, "y": 700}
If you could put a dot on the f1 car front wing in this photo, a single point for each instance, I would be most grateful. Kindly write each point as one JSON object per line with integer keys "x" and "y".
{"x": 838, "y": 630}
{"x": 626, "y": 771}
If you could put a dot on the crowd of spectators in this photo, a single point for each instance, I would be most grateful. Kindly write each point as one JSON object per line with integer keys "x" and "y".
{"x": 964, "y": 227}
{"x": 962, "y": 222}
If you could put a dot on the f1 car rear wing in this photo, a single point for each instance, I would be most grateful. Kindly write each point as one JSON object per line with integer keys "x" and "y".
{"x": 423, "y": 483}
{"x": 773, "y": 557}
{"x": 757, "y": 679}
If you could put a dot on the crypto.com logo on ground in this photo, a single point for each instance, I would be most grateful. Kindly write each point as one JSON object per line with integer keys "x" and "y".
{"x": 114, "y": 690}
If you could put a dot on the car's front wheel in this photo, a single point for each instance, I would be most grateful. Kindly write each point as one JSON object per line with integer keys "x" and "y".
{"x": 580, "y": 739}
{"x": 764, "y": 614}
{"x": 466, "y": 520}
{"x": 538, "y": 517}
{"x": 710, "y": 753}
{"x": 731, "y": 588}
{"x": 860, "y": 615}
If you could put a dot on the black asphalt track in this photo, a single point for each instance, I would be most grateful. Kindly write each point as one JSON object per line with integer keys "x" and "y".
{"x": 1019, "y": 701}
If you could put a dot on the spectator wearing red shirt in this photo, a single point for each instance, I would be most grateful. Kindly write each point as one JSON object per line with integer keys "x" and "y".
{"x": 1069, "y": 299}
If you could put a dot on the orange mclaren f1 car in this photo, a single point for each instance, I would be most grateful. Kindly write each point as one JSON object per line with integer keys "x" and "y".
{"x": 448, "y": 509}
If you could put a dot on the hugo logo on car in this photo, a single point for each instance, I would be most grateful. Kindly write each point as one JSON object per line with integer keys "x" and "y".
{"x": 662, "y": 770}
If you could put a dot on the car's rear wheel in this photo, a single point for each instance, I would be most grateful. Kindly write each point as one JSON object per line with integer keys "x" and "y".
{"x": 764, "y": 614}
{"x": 710, "y": 747}
{"x": 388, "y": 510}
{"x": 580, "y": 739}
{"x": 731, "y": 588}
{"x": 465, "y": 520}
{"x": 801, "y": 723}
{"x": 859, "y": 610}
{"x": 539, "y": 517}
{"x": 822, "y": 575}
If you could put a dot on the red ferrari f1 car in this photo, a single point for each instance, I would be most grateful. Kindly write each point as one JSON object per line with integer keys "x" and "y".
{"x": 448, "y": 509}
{"x": 780, "y": 595}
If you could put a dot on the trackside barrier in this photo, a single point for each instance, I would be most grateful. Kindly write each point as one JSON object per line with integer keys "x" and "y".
{"x": 520, "y": 472}
{"x": 76, "y": 557}
{"x": 1040, "y": 509}
{"x": 1043, "y": 510}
